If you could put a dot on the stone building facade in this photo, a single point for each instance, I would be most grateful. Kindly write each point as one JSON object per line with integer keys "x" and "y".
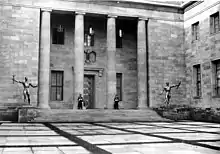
{"x": 202, "y": 52}
{"x": 101, "y": 48}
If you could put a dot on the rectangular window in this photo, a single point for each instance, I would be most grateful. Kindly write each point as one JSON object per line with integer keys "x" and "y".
{"x": 88, "y": 40}
{"x": 214, "y": 23}
{"x": 89, "y": 37}
{"x": 58, "y": 35}
{"x": 119, "y": 85}
{"x": 119, "y": 38}
{"x": 197, "y": 80}
{"x": 56, "y": 85}
{"x": 216, "y": 71}
{"x": 195, "y": 31}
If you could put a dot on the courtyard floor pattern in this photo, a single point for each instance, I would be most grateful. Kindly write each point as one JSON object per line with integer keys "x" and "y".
{"x": 106, "y": 138}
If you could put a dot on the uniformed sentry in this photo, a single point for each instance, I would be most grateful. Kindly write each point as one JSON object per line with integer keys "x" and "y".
{"x": 26, "y": 86}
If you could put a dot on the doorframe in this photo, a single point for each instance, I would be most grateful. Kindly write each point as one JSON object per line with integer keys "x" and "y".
{"x": 94, "y": 74}
{"x": 98, "y": 73}
{"x": 94, "y": 88}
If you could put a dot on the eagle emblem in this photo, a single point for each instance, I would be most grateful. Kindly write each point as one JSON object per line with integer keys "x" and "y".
{"x": 89, "y": 56}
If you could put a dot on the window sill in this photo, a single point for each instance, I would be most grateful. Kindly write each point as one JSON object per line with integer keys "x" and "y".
{"x": 197, "y": 97}
{"x": 216, "y": 96}
{"x": 212, "y": 34}
{"x": 58, "y": 44}
{"x": 56, "y": 101}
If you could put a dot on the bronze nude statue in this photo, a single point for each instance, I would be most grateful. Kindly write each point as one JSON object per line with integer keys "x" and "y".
{"x": 26, "y": 86}
{"x": 167, "y": 90}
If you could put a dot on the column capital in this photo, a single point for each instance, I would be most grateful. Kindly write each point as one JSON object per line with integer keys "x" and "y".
{"x": 79, "y": 13}
{"x": 112, "y": 16}
{"x": 46, "y": 9}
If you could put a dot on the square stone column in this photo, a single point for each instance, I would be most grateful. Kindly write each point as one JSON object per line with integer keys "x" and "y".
{"x": 78, "y": 56}
{"x": 44, "y": 60}
{"x": 142, "y": 64}
{"x": 111, "y": 50}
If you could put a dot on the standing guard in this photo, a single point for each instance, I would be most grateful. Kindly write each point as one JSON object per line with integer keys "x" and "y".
{"x": 80, "y": 102}
{"x": 116, "y": 101}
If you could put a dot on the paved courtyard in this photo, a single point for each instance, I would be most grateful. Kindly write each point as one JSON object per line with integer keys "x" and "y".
{"x": 118, "y": 138}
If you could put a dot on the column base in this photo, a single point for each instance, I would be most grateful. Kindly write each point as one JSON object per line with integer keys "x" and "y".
{"x": 142, "y": 107}
{"x": 41, "y": 106}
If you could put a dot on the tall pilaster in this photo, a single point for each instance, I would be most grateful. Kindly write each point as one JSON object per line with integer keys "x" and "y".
{"x": 142, "y": 64}
{"x": 111, "y": 50}
{"x": 79, "y": 56}
{"x": 44, "y": 60}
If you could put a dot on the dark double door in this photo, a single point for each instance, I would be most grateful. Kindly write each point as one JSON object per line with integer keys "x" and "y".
{"x": 89, "y": 91}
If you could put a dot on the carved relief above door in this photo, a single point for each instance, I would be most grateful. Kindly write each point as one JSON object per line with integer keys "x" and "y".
{"x": 89, "y": 56}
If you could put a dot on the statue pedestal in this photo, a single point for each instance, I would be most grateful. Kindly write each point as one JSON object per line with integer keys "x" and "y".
{"x": 26, "y": 113}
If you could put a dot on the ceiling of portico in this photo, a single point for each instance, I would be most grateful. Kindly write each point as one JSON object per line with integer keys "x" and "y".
{"x": 163, "y": 2}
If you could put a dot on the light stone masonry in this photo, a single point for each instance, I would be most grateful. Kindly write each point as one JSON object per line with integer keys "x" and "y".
{"x": 111, "y": 49}
{"x": 142, "y": 67}
{"x": 44, "y": 61}
{"x": 79, "y": 56}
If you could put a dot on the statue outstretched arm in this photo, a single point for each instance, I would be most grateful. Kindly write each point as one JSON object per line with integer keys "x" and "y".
{"x": 33, "y": 85}
{"x": 177, "y": 85}
{"x": 17, "y": 81}
{"x": 173, "y": 86}
{"x": 162, "y": 92}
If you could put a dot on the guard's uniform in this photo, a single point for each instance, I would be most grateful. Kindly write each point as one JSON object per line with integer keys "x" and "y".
{"x": 116, "y": 100}
{"x": 80, "y": 102}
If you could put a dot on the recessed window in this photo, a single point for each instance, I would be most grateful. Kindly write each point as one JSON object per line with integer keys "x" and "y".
{"x": 119, "y": 36}
{"x": 56, "y": 85}
{"x": 58, "y": 35}
{"x": 119, "y": 85}
{"x": 214, "y": 23}
{"x": 89, "y": 37}
{"x": 197, "y": 80}
{"x": 195, "y": 31}
{"x": 216, "y": 77}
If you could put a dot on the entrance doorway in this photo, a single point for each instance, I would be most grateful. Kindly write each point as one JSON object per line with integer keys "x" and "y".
{"x": 89, "y": 91}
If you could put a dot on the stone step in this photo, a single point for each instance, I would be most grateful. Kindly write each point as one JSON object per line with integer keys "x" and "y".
{"x": 95, "y": 115}
{"x": 2, "y": 105}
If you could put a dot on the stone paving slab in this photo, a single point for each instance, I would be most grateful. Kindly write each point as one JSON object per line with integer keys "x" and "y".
{"x": 217, "y": 144}
{"x": 216, "y": 130}
{"x": 193, "y": 136}
{"x": 75, "y": 149}
{"x": 162, "y": 148}
{"x": 159, "y": 130}
{"x": 117, "y": 138}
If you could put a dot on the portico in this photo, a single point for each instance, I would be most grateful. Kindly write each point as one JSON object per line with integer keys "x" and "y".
{"x": 105, "y": 58}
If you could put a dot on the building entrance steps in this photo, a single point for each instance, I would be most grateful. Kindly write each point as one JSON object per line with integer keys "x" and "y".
{"x": 91, "y": 115}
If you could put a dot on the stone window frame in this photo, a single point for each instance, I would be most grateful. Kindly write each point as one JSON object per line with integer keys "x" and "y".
{"x": 62, "y": 85}
{"x": 98, "y": 74}
{"x": 197, "y": 94}
{"x": 215, "y": 79}
{"x": 61, "y": 36}
{"x": 195, "y": 31}
{"x": 119, "y": 75}
{"x": 119, "y": 39}
{"x": 89, "y": 38}
{"x": 213, "y": 23}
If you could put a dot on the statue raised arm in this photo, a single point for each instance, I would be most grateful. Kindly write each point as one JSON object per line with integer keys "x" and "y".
{"x": 26, "y": 86}
{"x": 167, "y": 90}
